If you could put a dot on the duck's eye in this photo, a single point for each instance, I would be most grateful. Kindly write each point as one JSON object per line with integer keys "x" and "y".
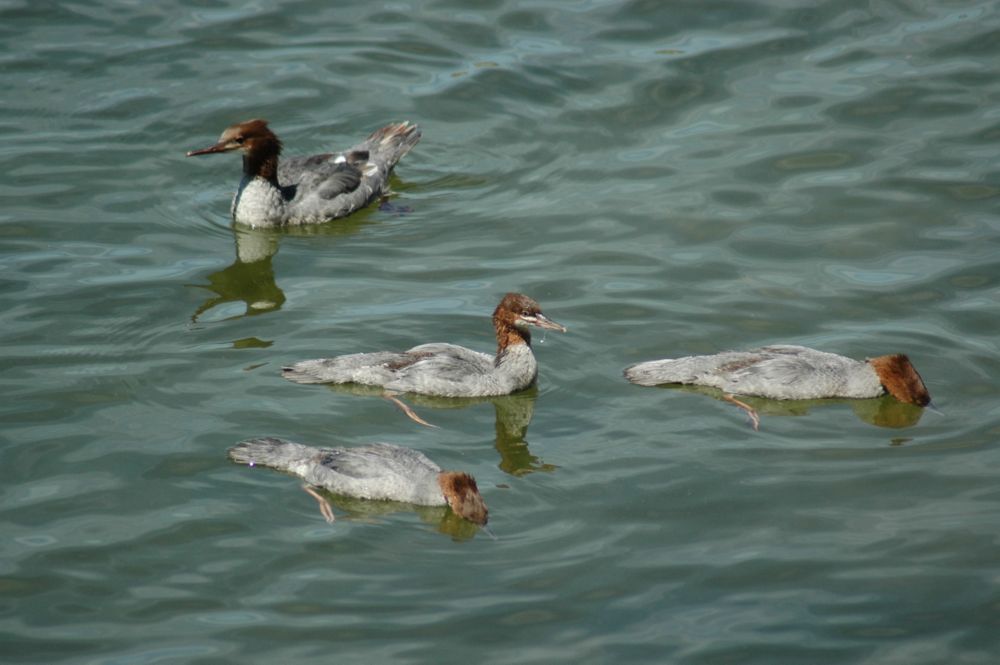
{"x": 527, "y": 312}
{"x": 239, "y": 139}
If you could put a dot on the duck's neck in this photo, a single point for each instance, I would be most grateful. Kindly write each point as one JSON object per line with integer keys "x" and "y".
{"x": 260, "y": 200}
{"x": 262, "y": 162}
{"x": 508, "y": 336}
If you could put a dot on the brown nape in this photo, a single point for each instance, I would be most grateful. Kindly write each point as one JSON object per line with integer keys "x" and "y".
{"x": 900, "y": 379}
{"x": 505, "y": 318}
{"x": 463, "y": 496}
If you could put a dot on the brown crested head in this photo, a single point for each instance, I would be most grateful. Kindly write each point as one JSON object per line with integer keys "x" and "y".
{"x": 462, "y": 494}
{"x": 900, "y": 379}
{"x": 250, "y": 136}
{"x": 514, "y": 314}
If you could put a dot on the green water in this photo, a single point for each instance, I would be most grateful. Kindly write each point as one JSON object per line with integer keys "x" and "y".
{"x": 666, "y": 178}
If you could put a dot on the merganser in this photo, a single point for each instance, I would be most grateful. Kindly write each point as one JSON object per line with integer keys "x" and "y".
{"x": 440, "y": 369}
{"x": 309, "y": 190}
{"x": 789, "y": 372}
{"x": 380, "y": 471}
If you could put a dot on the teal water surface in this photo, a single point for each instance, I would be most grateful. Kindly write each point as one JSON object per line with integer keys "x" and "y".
{"x": 666, "y": 178}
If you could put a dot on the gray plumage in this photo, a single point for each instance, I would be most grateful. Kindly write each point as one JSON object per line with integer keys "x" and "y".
{"x": 314, "y": 189}
{"x": 775, "y": 372}
{"x": 446, "y": 370}
{"x": 377, "y": 471}
{"x": 441, "y": 369}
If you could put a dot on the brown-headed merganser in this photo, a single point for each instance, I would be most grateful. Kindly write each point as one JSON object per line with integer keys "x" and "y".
{"x": 444, "y": 369}
{"x": 789, "y": 372}
{"x": 309, "y": 190}
{"x": 380, "y": 471}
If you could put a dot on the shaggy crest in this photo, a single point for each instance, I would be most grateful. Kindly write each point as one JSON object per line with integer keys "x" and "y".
{"x": 512, "y": 317}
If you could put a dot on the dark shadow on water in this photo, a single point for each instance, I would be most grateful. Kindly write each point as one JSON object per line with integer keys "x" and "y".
{"x": 513, "y": 414}
{"x": 884, "y": 411}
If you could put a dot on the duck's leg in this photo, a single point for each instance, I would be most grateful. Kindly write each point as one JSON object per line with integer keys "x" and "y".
{"x": 751, "y": 412}
{"x": 405, "y": 408}
{"x": 324, "y": 505}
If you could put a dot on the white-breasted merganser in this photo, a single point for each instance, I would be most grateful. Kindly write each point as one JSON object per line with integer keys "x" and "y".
{"x": 446, "y": 370}
{"x": 309, "y": 190}
{"x": 789, "y": 372}
{"x": 380, "y": 471}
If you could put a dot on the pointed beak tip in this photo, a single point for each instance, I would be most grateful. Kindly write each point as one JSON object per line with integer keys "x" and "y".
{"x": 218, "y": 147}
{"x": 548, "y": 324}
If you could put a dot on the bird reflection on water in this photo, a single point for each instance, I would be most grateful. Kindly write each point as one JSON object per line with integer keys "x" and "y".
{"x": 250, "y": 279}
{"x": 513, "y": 414}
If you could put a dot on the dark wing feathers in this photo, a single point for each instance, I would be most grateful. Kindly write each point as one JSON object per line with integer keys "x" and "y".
{"x": 328, "y": 178}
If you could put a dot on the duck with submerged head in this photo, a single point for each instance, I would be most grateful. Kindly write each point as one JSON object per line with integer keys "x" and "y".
{"x": 441, "y": 369}
{"x": 380, "y": 471}
{"x": 309, "y": 190}
{"x": 788, "y": 372}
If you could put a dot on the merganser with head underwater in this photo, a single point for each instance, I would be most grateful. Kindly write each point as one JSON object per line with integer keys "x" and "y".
{"x": 446, "y": 370}
{"x": 309, "y": 190}
{"x": 789, "y": 372}
{"x": 380, "y": 471}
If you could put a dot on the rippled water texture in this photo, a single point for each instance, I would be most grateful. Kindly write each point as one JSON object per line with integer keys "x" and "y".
{"x": 666, "y": 178}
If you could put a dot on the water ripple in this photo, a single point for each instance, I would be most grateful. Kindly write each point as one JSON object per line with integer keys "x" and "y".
{"x": 666, "y": 178}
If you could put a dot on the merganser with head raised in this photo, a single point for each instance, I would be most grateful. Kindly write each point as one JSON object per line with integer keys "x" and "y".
{"x": 789, "y": 372}
{"x": 444, "y": 369}
{"x": 309, "y": 190}
{"x": 380, "y": 471}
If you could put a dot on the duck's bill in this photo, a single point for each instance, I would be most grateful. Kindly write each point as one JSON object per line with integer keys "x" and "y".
{"x": 542, "y": 321}
{"x": 218, "y": 147}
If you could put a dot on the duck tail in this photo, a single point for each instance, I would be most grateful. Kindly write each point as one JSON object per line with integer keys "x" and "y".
{"x": 657, "y": 372}
{"x": 269, "y": 451}
{"x": 391, "y": 142}
{"x": 310, "y": 371}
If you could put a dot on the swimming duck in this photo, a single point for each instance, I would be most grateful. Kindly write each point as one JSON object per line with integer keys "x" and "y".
{"x": 309, "y": 190}
{"x": 441, "y": 369}
{"x": 380, "y": 471}
{"x": 788, "y": 372}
